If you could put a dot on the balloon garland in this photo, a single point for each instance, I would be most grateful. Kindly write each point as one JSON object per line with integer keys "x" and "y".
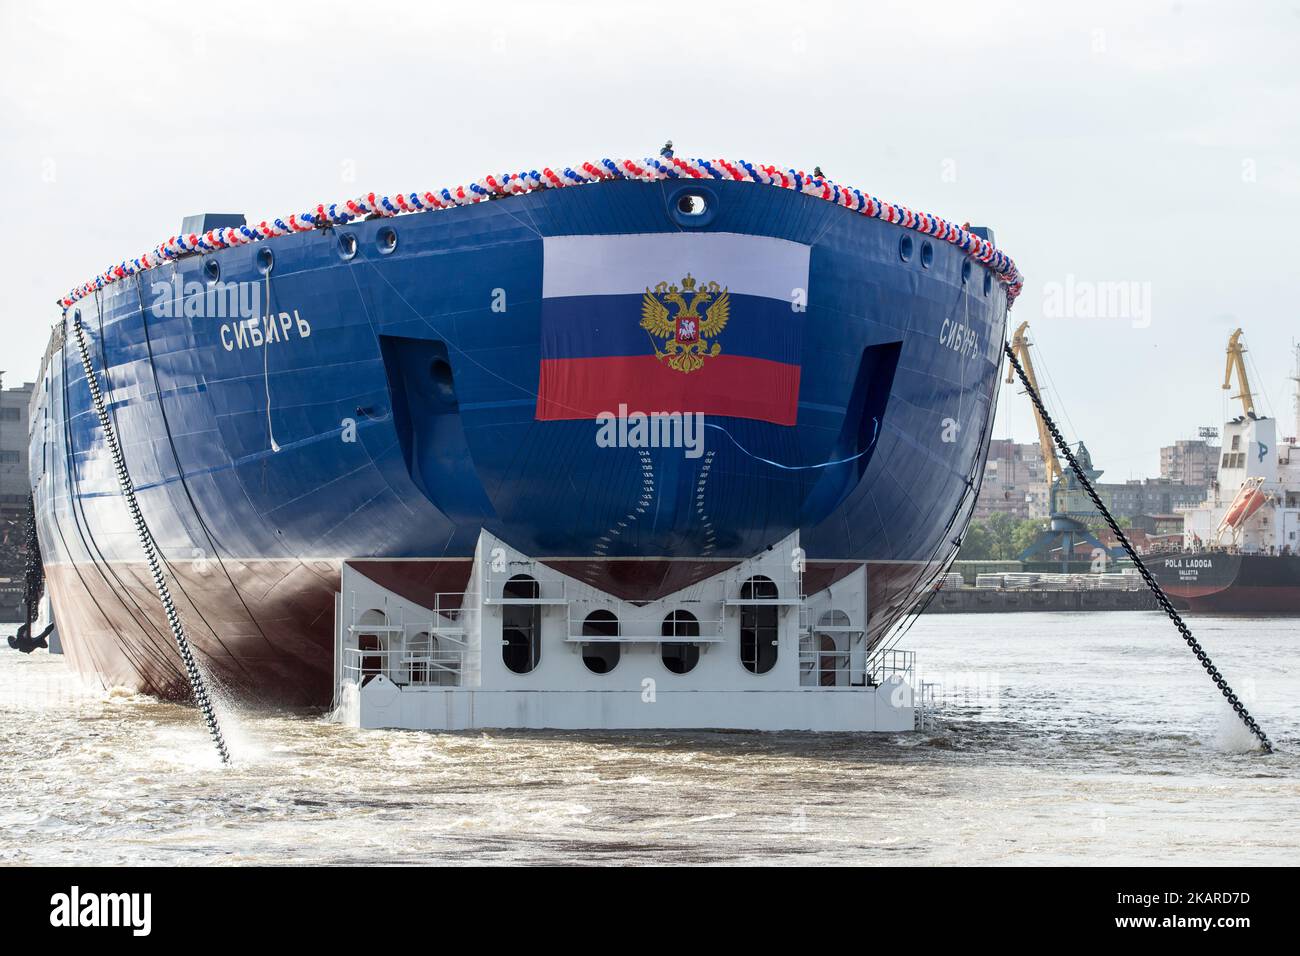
{"x": 653, "y": 169}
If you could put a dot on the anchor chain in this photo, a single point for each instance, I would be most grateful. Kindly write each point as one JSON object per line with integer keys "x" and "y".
{"x": 34, "y": 568}
{"x": 1161, "y": 599}
{"x": 33, "y": 587}
{"x": 197, "y": 684}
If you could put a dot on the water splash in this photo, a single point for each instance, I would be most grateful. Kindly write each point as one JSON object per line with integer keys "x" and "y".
{"x": 1231, "y": 735}
{"x": 348, "y": 710}
{"x": 233, "y": 727}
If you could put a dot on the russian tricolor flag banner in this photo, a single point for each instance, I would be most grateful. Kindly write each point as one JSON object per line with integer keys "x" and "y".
{"x": 672, "y": 322}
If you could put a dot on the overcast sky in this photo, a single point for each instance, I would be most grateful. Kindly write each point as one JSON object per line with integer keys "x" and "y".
{"x": 1147, "y": 143}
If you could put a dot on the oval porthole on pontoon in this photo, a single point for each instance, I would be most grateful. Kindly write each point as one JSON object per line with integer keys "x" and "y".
{"x": 347, "y": 245}
{"x": 601, "y": 656}
{"x": 759, "y": 625}
{"x": 965, "y": 271}
{"x": 265, "y": 260}
{"x": 212, "y": 269}
{"x": 927, "y": 254}
{"x": 521, "y": 624}
{"x": 905, "y": 248}
{"x": 386, "y": 239}
{"x": 680, "y": 656}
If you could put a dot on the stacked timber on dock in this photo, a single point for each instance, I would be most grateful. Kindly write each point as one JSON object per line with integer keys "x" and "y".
{"x": 1126, "y": 580}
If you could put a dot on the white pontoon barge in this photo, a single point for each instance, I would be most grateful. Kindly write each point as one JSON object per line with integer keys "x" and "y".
{"x": 528, "y": 647}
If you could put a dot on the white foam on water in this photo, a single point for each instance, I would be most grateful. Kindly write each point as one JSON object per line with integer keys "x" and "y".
{"x": 1231, "y": 734}
{"x": 243, "y": 748}
{"x": 241, "y": 745}
{"x": 1098, "y": 746}
{"x": 348, "y": 711}
{"x": 185, "y": 746}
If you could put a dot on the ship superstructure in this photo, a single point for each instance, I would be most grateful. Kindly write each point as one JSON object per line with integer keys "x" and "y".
{"x": 1253, "y": 506}
{"x": 1242, "y": 544}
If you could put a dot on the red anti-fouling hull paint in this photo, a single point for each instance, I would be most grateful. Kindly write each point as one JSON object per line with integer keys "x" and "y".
{"x": 273, "y": 642}
{"x": 1245, "y": 599}
{"x": 270, "y": 644}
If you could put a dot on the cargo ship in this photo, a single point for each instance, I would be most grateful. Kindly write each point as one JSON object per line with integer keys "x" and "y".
{"x": 459, "y": 453}
{"x": 1240, "y": 545}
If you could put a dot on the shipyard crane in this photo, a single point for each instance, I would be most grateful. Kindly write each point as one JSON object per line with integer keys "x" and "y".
{"x": 1020, "y": 345}
{"x": 1064, "y": 531}
{"x": 1236, "y": 360}
{"x": 1250, "y": 497}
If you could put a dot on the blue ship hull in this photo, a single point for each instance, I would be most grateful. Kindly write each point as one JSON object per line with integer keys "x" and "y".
{"x": 392, "y": 416}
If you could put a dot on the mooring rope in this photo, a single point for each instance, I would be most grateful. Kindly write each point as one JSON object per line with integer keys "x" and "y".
{"x": 875, "y": 431}
{"x": 1219, "y": 680}
{"x": 197, "y": 684}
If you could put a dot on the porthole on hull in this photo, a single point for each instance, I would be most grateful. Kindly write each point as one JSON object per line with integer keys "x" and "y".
{"x": 692, "y": 206}
{"x": 265, "y": 260}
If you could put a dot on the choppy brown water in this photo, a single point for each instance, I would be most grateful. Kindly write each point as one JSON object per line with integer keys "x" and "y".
{"x": 1064, "y": 738}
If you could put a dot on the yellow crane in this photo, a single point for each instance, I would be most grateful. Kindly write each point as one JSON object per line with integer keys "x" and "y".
{"x": 1020, "y": 345}
{"x": 1066, "y": 503}
{"x": 1236, "y": 360}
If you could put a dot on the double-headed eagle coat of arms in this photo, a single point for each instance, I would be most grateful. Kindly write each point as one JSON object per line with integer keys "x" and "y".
{"x": 686, "y": 333}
